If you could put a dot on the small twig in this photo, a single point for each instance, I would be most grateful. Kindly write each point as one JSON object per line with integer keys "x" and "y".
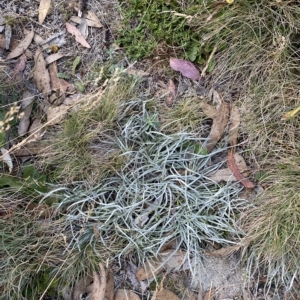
{"x": 199, "y": 297}
{"x": 54, "y": 36}
{"x": 209, "y": 294}
{"x": 80, "y": 7}
{"x": 208, "y": 61}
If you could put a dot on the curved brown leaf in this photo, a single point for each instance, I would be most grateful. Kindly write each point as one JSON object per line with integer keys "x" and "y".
{"x": 58, "y": 83}
{"x": 23, "y": 45}
{"x": 41, "y": 74}
{"x": 226, "y": 173}
{"x": 53, "y": 57}
{"x": 218, "y": 126}
{"x": 235, "y": 121}
{"x": 78, "y": 36}
{"x": 233, "y": 167}
{"x": 91, "y": 16}
{"x": 43, "y": 10}
{"x": 20, "y": 66}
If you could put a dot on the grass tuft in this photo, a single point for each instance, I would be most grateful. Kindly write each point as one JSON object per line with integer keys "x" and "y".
{"x": 273, "y": 228}
{"x": 127, "y": 187}
{"x": 186, "y": 115}
{"x": 161, "y": 192}
{"x": 83, "y": 147}
{"x": 35, "y": 257}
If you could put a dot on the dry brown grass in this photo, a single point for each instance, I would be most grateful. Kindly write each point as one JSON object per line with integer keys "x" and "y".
{"x": 258, "y": 57}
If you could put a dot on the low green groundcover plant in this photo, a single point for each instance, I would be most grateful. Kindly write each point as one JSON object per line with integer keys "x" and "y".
{"x": 162, "y": 192}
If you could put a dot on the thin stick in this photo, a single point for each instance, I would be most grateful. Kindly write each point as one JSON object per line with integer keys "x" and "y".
{"x": 208, "y": 61}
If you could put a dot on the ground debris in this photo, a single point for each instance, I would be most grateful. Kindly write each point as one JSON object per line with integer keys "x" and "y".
{"x": 43, "y": 10}
{"x": 26, "y": 106}
{"x": 226, "y": 174}
{"x": 22, "y": 46}
{"x": 41, "y": 74}
{"x": 185, "y": 67}
{"x": 168, "y": 260}
{"x": 219, "y": 124}
{"x": 123, "y": 294}
{"x": 78, "y": 36}
{"x": 99, "y": 284}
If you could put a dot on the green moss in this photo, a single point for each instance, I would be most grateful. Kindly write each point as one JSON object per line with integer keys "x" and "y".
{"x": 149, "y": 23}
{"x": 155, "y": 284}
